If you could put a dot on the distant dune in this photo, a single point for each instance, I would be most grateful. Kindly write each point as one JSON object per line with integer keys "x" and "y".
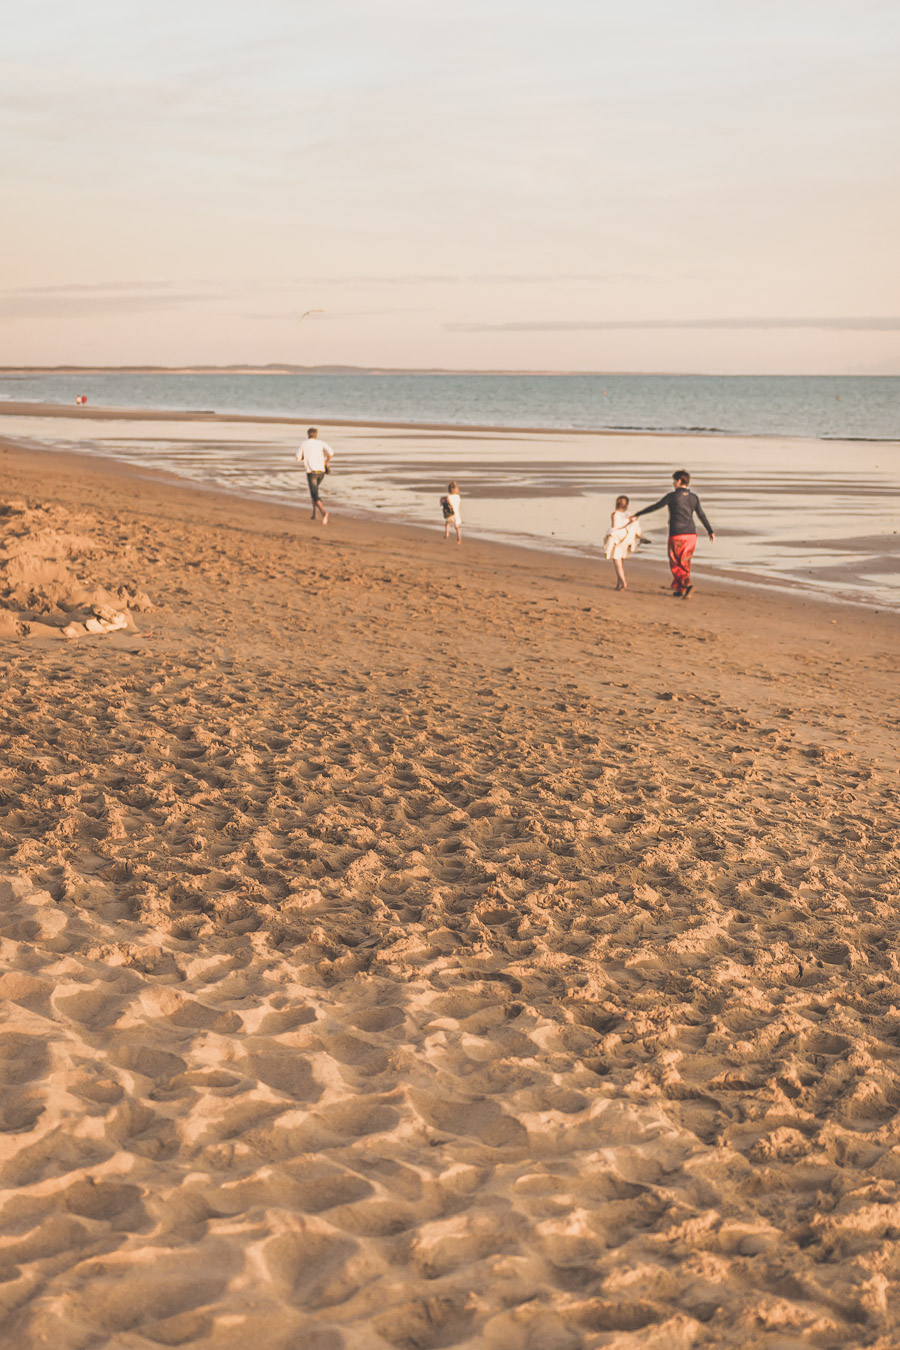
{"x": 278, "y": 369}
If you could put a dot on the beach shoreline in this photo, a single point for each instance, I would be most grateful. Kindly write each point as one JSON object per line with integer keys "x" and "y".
{"x": 14, "y": 408}
{"x": 642, "y": 567}
{"x": 850, "y": 588}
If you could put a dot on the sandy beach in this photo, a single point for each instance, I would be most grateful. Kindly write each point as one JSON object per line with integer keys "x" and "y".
{"x": 408, "y": 946}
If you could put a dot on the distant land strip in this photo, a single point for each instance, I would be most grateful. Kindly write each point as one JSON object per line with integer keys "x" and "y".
{"x": 282, "y": 368}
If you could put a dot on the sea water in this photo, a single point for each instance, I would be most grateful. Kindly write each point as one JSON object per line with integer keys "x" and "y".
{"x": 821, "y": 407}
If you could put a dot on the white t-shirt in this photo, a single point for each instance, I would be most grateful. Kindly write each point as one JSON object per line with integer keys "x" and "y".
{"x": 454, "y": 499}
{"x": 312, "y": 454}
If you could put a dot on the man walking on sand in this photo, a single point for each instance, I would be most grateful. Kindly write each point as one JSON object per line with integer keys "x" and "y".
{"x": 315, "y": 456}
{"x": 682, "y": 504}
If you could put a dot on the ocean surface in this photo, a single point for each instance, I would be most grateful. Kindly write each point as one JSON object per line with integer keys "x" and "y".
{"x": 822, "y": 407}
{"x": 800, "y": 476}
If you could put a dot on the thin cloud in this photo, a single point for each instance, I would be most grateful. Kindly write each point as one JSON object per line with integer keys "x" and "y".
{"x": 90, "y": 287}
{"x": 60, "y": 306}
{"x": 330, "y": 317}
{"x": 861, "y": 325}
{"x": 466, "y": 278}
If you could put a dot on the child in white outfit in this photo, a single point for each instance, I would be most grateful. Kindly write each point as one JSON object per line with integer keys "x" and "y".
{"x": 450, "y": 506}
{"x": 622, "y": 538}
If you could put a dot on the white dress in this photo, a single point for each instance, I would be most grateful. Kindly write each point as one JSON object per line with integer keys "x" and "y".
{"x": 622, "y": 538}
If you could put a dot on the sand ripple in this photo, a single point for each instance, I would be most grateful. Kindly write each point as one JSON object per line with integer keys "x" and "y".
{"x": 407, "y": 991}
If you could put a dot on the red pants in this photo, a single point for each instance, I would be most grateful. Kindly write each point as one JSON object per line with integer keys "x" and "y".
{"x": 681, "y": 550}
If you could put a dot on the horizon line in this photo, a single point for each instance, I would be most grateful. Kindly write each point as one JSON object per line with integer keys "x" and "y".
{"x": 335, "y": 368}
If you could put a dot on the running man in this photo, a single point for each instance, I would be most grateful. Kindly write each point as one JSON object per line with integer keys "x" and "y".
{"x": 682, "y": 504}
{"x": 315, "y": 456}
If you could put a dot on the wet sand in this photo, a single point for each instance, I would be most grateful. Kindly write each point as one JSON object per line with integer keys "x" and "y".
{"x": 811, "y": 516}
{"x": 87, "y": 413}
{"x": 406, "y": 945}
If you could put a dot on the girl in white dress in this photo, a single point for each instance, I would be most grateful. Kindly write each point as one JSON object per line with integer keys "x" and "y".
{"x": 622, "y": 538}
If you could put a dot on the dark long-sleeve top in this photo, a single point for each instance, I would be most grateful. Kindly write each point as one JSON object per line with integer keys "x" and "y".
{"x": 682, "y": 504}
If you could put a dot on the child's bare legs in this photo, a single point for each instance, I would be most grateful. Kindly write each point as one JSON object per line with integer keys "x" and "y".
{"x": 619, "y": 565}
{"x": 447, "y": 524}
{"x": 458, "y": 534}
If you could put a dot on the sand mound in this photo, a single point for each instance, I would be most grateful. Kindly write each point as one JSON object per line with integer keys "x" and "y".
{"x": 43, "y": 558}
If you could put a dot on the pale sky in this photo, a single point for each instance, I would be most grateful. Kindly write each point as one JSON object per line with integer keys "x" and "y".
{"x": 675, "y": 185}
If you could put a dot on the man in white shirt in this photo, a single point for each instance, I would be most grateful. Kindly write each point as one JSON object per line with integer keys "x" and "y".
{"x": 315, "y": 456}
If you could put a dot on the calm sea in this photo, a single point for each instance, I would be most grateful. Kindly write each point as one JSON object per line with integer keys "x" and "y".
{"x": 799, "y": 475}
{"x": 822, "y": 407}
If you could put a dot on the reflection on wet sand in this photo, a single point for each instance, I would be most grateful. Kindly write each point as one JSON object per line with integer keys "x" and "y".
{"x": 818, "y": 514}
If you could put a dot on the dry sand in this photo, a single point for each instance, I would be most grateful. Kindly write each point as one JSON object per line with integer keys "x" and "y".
{"x": 406, "y": 946}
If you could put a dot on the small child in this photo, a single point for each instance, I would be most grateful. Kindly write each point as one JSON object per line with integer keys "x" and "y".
{"x": 622, "y": 538}
{"x": 450, "y": 509}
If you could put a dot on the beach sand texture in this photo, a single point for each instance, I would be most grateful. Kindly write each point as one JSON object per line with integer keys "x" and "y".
{"x": 407, "y": 946}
